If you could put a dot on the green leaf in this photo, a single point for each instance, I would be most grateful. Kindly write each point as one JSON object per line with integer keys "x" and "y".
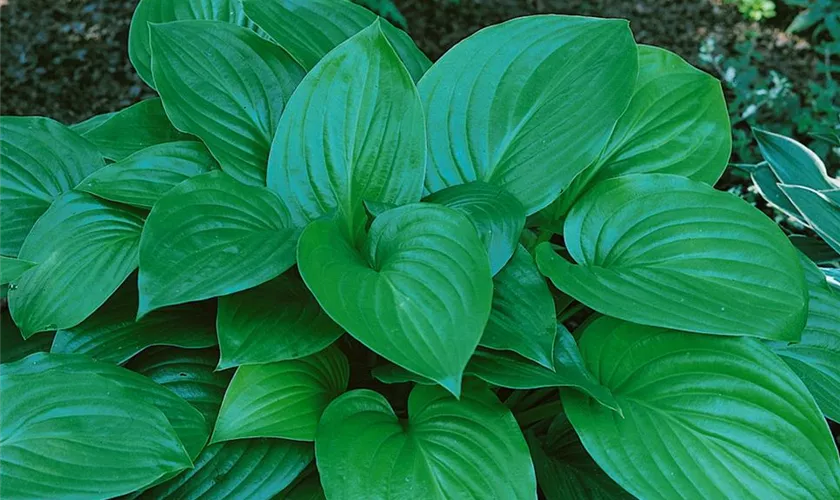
{"x": 91, "y": 123}
{"x": 527, "y": 104}
{"x": 819, "y": 212}
{"x": 283, "y": 399}
{"x": 497, "y": 216}
{"x": 248, "y": 468}
{"x": 418, "y": 293}
{"x": 663, "y": 250}
{"x": 523, "y": 317}
{"x": 704, "y": 417}
{"x": 134, "y": 128}
{"x": 211, "y": 236}
{"x": 112, "y": 335}
{"x": 676, "y": 123}
{"x": 39, "y": 160}
{"x": 11, "y": 268}
{"x": 85, "y": 248}
{"x": 816, "y": 357}
{"x": 768, "y": 187}
{"x": 323, "y": 161}
{"x": 793, "y": 163}
{"x": 72, "y": 435}
{"x": 509, "y": 370}
{"x": 447, "y": 448}
{"x": 189, "y": 373}
{"x": 142, "y": 178}
{"x": 165, "y": 11}
{"x": 276, "y": 321}
{"x": 12, "y": 345}
{"x": 226, "y": 85}
{"x": 189, "y": 425}
{"x": 309, "y": 29}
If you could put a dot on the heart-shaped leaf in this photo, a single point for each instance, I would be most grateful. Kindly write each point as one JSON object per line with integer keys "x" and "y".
{"x": 523, "y": 317}
{"x": 447, "y": 448}
{"x": 233, "y": 108}
{"x": 510, "y": 370}
{"x": 57, "y": 427}
{"x": 323, "y": 162}
{"x": 211, "y": 236}
{"x": 165, "y": 11}
{"x": 309, "y": 29}
{"x": 145, "y": 176}
{"x": 276, "y": 321}
{"x": 527, "y": 104}
{"x": 134, "y": 128}
{"x": 112, "y": 334}
{"x": 820, "y": 212}
{"x": 418, "y": 293}
{"x": 39, "y": 160}
{"x": 283, "y": 399}
{"x": 704, "y": 417}
{"x": 664, "y": 250}
{"x": 497, "y": 216}
{"x": 85, "y": 248}
{"x": 11, "y": 268}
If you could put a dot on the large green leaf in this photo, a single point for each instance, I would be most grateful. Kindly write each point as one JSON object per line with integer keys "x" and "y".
{"x": 76, "y": 435}
{"x": 497, "y": 216}
{"x": 211, "y": 236}
{"x": 339, "y": 145}
{"x": 189, "y": 373}
{"x": 11, "y": 268}
{"x": 505, "y": 369}
{"x": 447, "y": 448}
{"x": 793, "y": 163}
{"x": 527, "y": 104}
{"x": 247, "y": 468}
{"x": 85, "y": 248}
{"x": 704, "y": 417}
{"x": 816, "y": 357}
{"x": 418, "y": 293}
{"x": 228, "y": 86}
{"x": 39, "y": 160}
{"x": 189, "y": 425}
{"x": 283, "y": 399}
{"x": 275, "y": 321}
{"x": 165, "y": 11}
{"x": 134, "y": 128}
{"x": 112, "y": 334}
{"x": 523, "y": 317}
{"x": 309, "y": 29}
{"x": 676, "y": 123}
{"x": 12, "y": 345}
{"x": 664, "y": 250}
{"x": 142, "y": 178}
{"x": 820, "y": 212}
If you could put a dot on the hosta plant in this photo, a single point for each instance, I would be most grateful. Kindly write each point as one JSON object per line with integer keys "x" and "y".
{"x": 319, "y": 265}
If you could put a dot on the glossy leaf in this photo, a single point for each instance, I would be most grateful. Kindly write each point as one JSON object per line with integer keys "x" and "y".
{"x": 323, "y": 162}
{"x": 418, "y": 293}
{"x": 112, "y": 334}
{"x": 283, "y": 399}
{"x": 704, "y": 417}
{"x": 85, "y": 248}
{"x": 504, "y": 369}
{"x": 793, "y": 163}
{"x": 233, "y": 108}
{"x": 11, "y": 268}
{"x": 39, "y": 160}
{"x": 276, "y": 321}
{"x": 165, "y": 11}
{"x": 497, "y": 216}
{"x": 309, "y": 29}
{"x": 189, "y": 426}
{"x": 57, "y": 427}
{"x": 668, "y": 251}
{"x": 819, "y": 212}
{"x": 247, "y": 468}
{"x": 211, "y": 236}
{"x": 447, "y": 448}
{"x": 12, "y": 345}
{"x": 816, "y": 357}
{"x": 523, "y": 317}
{"x": 528, "y": 104}
{"x": 142, "y": 178}
{"x": 134, "y": 128}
